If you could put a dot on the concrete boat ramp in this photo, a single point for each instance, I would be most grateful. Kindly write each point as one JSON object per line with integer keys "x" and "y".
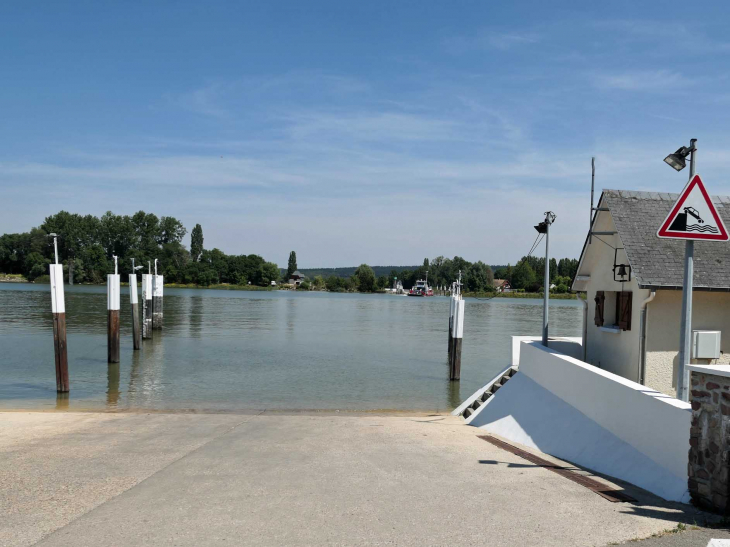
{"x": 86, "y": 479}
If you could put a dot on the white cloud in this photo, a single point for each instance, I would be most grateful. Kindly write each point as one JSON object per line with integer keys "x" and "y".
{"x": 642, "y": 80}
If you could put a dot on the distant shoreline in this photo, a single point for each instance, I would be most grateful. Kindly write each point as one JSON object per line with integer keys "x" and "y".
{"x": 17, "y": 278}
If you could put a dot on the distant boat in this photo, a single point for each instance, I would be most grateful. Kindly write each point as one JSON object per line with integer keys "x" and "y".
{"x": 421, "y": 288}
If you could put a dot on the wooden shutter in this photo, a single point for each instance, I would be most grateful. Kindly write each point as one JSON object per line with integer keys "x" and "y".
{"x": 623, "y": 312}
{"x": 600, "y": 299}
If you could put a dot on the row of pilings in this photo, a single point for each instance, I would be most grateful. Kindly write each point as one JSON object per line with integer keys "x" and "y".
{"x": 151, "y": 320}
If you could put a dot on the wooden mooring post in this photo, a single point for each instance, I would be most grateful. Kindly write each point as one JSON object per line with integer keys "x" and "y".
{"x": 146, "y": 306}
{"x": 112, "y": 306}
{"x": 58, "y": 308}
{"x": 135, "y": 310}
{"x": 158, "y": 284}
{"x": 452, "y": 306}
{"x": 457, "y": 334}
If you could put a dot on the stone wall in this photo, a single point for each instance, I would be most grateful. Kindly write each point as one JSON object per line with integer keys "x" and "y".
{"x": 710, "y": 441}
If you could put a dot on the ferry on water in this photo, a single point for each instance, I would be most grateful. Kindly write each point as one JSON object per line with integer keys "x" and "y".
{"x": 421, "y": 288}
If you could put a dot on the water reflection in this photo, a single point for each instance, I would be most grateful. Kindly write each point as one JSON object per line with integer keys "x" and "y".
{"x": 453, "y": 394}
{"x": 62, "y": 400}
{"x": 196, "y": 316}
{"x": 112, "y": 391}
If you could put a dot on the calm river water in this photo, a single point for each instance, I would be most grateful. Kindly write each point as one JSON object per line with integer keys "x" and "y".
{"x": 238, "y": 351}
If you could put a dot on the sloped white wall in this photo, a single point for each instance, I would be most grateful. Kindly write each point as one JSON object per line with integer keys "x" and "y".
{"x": 577, "y": 412}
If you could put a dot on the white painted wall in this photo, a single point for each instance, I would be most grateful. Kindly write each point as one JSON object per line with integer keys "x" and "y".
{"x": 596, "y": 419}
{"x": 614, "y": 351}
{"x": 709, "y": 312}
{"x": 567, "y": 345}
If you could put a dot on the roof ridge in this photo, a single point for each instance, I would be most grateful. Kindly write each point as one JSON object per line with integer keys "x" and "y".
{"x": 646, "y": 194}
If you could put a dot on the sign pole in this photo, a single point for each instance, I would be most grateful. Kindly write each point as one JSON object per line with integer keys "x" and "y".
{"x": 685, "y": 341}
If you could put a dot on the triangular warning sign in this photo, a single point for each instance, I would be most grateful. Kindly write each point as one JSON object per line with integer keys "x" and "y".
{"x": 694, "y": 216}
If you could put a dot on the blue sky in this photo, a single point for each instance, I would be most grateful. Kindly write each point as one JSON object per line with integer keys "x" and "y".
{"x": 376, "y": 132}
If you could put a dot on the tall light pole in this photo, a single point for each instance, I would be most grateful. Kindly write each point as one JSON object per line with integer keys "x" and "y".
{"x": 676, "y": 161}
{"x": 544, "y": 228}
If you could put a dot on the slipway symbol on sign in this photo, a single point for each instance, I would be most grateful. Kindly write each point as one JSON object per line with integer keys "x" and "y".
{"x": 694, "y": 216}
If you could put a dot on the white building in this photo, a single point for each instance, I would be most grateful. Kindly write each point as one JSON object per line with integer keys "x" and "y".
{"x": 632, "y": 327}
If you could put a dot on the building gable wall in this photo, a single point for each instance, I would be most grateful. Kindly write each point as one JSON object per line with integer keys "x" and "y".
{"x": 611, "y": 350}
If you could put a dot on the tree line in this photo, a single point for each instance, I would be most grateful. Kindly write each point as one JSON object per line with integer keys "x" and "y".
{"x": 88, "y": 244}
{"x": 529, "y": 274}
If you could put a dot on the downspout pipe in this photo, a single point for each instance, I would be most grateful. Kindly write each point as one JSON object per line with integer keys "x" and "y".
{"x": 644, "y": 319}
{"x": 585, "y": 327}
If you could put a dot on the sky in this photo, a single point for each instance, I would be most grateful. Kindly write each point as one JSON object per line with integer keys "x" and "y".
{"x": 377, "y": 132}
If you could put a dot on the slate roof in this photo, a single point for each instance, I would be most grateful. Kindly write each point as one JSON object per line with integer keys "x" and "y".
{"x": 659, "y": 263}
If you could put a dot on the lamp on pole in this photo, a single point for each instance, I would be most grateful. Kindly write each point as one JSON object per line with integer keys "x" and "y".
{"x": 544, "y": 228}
{"x": 677, "y": 161}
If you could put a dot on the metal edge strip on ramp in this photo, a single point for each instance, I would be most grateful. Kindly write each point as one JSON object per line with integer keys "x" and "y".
{"x": 611, "y": 494}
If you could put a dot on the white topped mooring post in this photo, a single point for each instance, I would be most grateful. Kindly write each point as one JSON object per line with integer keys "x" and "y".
{"x": 147, "y": 304}
{"x": 157, "y": 289}
{"x": 457, "y": 332}
{"x": 134, "y": 306}
{"x": 58, "y": 308}
{"x": 452, "y": 307}
{"x": 458, "y": 335}
{"x": 112, "y": 306}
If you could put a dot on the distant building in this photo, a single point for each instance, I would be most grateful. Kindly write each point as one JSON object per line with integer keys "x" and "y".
{"x": 501, "y": 285}
{"x": 631, "y": 322}
{"x": 296, "y": 278}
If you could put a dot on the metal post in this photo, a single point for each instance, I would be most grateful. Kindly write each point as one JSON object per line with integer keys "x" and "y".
{"x": 685, "y": 348}
{"x": 546, "y": 283}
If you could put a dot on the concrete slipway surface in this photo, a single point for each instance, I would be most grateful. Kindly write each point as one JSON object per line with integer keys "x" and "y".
{"x": 88, "y": 479}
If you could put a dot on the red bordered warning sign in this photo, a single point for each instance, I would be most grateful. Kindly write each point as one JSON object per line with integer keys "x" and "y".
{"x": 694, "y": 216}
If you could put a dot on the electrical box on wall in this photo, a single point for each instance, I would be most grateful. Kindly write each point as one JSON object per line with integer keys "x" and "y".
{"x": 706, "y": 344}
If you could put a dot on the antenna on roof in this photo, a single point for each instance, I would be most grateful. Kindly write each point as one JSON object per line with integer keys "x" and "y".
{"x": 593, "y": 180}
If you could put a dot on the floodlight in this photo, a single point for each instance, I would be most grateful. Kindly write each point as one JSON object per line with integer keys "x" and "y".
{"x": 676, "y": 160}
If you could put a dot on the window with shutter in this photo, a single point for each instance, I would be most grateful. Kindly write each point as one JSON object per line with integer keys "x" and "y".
{"x": 600, "y": 300}
{"x": 623, "y": 310}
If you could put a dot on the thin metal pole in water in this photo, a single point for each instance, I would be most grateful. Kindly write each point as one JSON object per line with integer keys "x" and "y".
{"x": 685, "y": 348}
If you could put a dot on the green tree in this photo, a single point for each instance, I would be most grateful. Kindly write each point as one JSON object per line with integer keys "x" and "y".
{"x": 171, "y": 231}
{"x": 291, "y": 265}
{"x": 318, "y": 282}
{"x": 480, "y": 278}
{"x": 196, "y": 243}
{"x": 364, "y": 278}
{"x": 269, "y": 273}
{"x": 524, "y": 276}
{"x": 334, "y": 283}
{"x": 383, "y": 282}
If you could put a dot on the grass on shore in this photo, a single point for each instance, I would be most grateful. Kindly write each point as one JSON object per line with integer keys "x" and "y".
{"x": 553, "y": 296}
{"x": 221, "y": 286}
{"x": 17, "y": 278}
